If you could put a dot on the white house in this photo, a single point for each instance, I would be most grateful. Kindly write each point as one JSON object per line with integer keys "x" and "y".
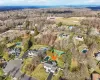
{"x": 32, "y": 53}
{"x": 97, "y": 56}
{"x": 80, "y": 38}
{"x": 31, "y": 32}
{"x": 50, "y": 67}
{"x": 51, "y": 18}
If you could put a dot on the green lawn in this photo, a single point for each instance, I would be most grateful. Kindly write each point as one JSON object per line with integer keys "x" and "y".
{"x": 60, "y": 63}
{"x": 26, "y": 62}
{"x": 70, "y": 21}
{"x": 10, "y": 44}
{"x": 8, "y": 78}
{"x": 1, "y": 72}
{"x": 39, "y": 73}
{"x": 97, "y": 70}
{"x": 37, "y": 46}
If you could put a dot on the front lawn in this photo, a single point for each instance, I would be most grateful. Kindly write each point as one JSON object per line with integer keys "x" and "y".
{"x": 39, "y": 73}
{"x": 10, "y": 44}
{"x": 37, "y": 46}
{"x": 70, "y": 21}
{"x": 60, "y": 63}
{"x": 26, "y": 62}
{"x": 1, "y": 72}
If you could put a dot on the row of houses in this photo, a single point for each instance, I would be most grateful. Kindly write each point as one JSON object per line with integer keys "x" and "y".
{"x": 66, "y": 35}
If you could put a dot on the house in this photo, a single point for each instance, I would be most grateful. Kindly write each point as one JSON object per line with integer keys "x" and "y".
{"x": 71, "y": 27}
{"x": 32, "y": 53}
{"x": 63, "y": 35}
{"x": 39, "y": 52}
{"x": 44, "y": 49}
{"x": 31, "y": 32}
{"x": 51, "y": 18}
{"x": 19, "y": 27}
{"x": 97, "y": 56}
{"x": 95, "y": 76}
{"x": 50, "y": 66}
{"x": 79, "y": 38}
{"x": 15, "y": 51}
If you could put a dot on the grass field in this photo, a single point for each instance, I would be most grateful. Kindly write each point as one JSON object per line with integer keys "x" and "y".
{"x": 37, "y": 46}
{"x": 70, "y": 21}
{"x": 39, "y": 73}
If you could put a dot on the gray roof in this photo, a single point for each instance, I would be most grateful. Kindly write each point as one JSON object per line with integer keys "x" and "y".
{"x": 47, "y": 65}
{"x": 52, "y": 66}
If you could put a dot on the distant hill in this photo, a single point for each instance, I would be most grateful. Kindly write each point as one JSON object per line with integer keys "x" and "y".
{"x": 7, "y": 8}
{"x": 94, "y": 8}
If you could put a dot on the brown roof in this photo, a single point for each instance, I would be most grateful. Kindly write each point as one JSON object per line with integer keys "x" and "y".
{"x": 95, "y": 76}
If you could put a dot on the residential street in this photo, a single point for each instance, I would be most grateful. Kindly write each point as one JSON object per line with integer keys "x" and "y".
{"x": 13, "y": 68}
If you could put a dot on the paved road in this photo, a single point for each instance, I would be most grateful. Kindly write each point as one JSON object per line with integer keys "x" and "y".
{"x": 50, "y": 76}
{"x": 13, "y": 69}
{"x": 25, "y": 55}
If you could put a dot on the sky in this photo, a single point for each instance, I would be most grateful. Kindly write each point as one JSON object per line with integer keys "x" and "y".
{"x": 48, "y": 2}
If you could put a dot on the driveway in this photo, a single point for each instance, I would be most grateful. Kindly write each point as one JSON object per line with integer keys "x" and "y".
{"x": 25, "y": 55}
{"x": 13, "y": 69}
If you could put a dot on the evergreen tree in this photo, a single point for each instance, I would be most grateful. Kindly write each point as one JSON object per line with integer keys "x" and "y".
{"x": 60, "y": 24}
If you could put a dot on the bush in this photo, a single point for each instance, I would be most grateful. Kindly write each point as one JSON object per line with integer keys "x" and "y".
{"x": 36, "y": 31}
{"x": 60, "y": 24}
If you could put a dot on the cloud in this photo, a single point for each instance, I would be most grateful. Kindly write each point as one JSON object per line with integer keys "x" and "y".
{"x": 23, "y": 2}
{"x": 28, "y": 1}
{"x": 94, "y": 1}
{"x": 1, "y": 2}
{"x": 37, "y": 1}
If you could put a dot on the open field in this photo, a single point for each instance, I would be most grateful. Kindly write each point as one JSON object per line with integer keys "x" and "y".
{"x": 70, "y": 21}
{"x": 39, "y": 73}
